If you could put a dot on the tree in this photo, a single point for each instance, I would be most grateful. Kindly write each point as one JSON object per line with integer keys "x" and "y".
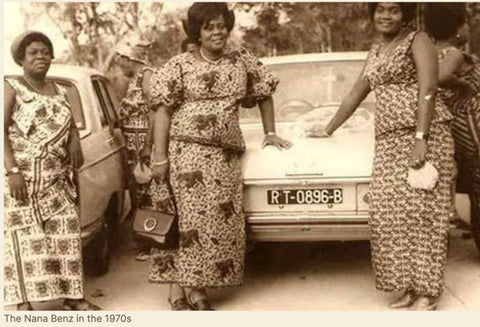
{"x": 94, "y": 28}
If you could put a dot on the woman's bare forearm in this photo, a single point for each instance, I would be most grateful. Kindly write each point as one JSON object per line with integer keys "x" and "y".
{"x": 9, "y": 158}
{"x": 268, "y": 115}
{"x": 161, "y": 129}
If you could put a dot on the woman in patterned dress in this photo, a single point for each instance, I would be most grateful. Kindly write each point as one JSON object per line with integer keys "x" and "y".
{"x": 136, "y": 120}
{"x": 42, "y": 244}
{"x": 459, "y": 77}
{"x": 198, "y": 141}
{"x": 409, "y": 227}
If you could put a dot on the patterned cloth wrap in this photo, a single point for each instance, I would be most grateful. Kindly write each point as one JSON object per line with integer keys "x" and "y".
{"x": 205, "y": 146}
{"x": 409, "y": 227}
{"x": 42, "y": 244}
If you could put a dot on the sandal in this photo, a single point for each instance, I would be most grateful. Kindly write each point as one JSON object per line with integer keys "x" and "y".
{"x": 80, "y": 305}
{"x": 180, "y": 304}
{"x": 200, "y": 305}
{"x": 25, "y": 306}
{"x": 426, "y": 303}
{"x": 406, "y": 300}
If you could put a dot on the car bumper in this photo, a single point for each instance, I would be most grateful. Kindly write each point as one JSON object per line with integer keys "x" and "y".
{"x": 307, "y": 227}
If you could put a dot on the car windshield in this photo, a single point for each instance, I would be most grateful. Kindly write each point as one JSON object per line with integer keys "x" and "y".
{"x": 308, "y": 85}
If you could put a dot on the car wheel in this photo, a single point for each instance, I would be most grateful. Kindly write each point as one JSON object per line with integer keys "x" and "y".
{"x": 97, "y": 253}
{"x": 475, "y": 218}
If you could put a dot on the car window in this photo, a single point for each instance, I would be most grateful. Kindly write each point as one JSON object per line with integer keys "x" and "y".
{"x": 102, "y": 111}
{"x": 73, "y": 97}
{"x": 308, "y": 85}
{"x": 109, "y": 104}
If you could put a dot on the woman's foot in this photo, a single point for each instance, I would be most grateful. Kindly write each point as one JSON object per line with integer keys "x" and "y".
{"x": 79, "y": 305}
{"x": 406, "y": 300}
{"x": 425, "y": 303}
{"x": 177, "y": 299}
{"x": 198, "y": 300}
{"x": 26, "y": 306}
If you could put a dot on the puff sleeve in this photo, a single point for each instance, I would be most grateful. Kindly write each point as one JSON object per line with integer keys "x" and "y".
{"x": 166, "y": 85}
{"x": 261, "y": 82}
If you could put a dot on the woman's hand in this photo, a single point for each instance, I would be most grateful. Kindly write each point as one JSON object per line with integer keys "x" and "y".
{"x": 160, "y": 172}
{"x": 276, "y": 141}
{"x": 17, "y": 187}
{"x": 145, "y": 155}
{"x": 75, "y": 153}
{"x": 417, "y": 158}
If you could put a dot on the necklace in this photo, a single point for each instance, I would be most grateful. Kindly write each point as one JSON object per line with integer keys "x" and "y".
{"x": 214, "y": 62}
{"x": 32, "y": 86}
{"x": 387, "y": 49}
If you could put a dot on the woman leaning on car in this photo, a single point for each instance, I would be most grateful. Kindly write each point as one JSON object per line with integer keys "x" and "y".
{"x": 409, "y": 226}
{"x": 42, "y": 244}
{"x": 198, "y": 143}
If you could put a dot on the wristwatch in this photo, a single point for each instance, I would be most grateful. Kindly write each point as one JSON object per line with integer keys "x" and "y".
{"x": 420, "y": 136}
{"x": 12, "y": 171}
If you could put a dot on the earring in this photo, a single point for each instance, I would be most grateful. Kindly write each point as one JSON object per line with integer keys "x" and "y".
{"x": 458, "y": 35}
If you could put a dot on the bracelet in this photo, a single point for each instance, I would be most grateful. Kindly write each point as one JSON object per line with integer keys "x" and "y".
{"x": 160, "y": 163}
{"x": 270, "y": 134}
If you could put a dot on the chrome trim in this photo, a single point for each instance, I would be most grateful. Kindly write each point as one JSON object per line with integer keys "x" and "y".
{"x": 308, "y": 233}
{"x": 301, "y": 218}
{"x": 298, "y": 181}
{"x": 108, "y": 154}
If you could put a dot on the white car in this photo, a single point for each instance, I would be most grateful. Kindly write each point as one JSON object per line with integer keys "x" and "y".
{"x": 104, "y": 201}
{"x": 318, "y": 190}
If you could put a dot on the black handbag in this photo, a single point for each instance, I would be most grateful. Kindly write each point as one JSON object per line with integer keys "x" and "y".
{"x": 155, "y": 228}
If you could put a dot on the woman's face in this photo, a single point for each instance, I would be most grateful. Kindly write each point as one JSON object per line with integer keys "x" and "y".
{"x": 125, "y": 65}
{"x": 214, "y": 34}
{"x": 37, "y": 59}
{"x": 388, "y": 17}
{"x": 463, "y": 35}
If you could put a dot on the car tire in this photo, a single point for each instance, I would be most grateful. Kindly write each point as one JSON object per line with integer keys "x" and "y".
{"x": 475, "y": 218}
{"x": 97, "y": 253}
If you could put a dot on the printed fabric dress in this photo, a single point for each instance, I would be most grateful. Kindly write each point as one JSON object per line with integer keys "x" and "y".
{"x": 205, "y": 147}
{"x": 409, "y": 227}
{"x": 134, "y": 123}
{"x": 42, "y": 244}
{"x": 466, "y": 124}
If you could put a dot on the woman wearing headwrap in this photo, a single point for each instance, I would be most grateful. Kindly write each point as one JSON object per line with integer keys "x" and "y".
{"x": 42, "y": 243}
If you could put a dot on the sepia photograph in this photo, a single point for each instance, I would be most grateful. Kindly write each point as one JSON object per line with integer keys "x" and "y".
{"x": 240, "y": 156}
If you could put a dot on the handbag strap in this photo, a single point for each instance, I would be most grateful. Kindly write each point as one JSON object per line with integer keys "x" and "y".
{"x": 167, "y": 183}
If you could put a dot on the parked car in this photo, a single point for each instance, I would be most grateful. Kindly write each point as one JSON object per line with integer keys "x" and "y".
{"x": 318, "y": 190}
{"x": 103, "y": 200}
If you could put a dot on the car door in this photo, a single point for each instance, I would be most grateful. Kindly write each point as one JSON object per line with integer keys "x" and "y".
{"x": 102, "y": 175}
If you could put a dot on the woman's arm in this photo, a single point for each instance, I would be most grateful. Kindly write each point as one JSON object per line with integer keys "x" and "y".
{"x": 349, "y": 104}
{"x": 74, "y": 147}
{"x": 16, "y": 183}
{"x": 426, "y": 62}
{"x": 268, "y": 121}
{"x": 449, "y": 65}
{"x": 161, "y": 129}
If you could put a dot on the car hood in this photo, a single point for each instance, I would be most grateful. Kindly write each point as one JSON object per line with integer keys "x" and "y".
{"x": 346, "y": 154}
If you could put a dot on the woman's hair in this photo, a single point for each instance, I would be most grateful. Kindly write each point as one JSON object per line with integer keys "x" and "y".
{"x": 203, "y": 12}
{"x": 408, "y": 10}
{"x": 23, "y": 41}
{"x": 442, "y": 20}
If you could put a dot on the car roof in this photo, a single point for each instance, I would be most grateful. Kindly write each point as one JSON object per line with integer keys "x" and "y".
{"x": 315, "y": 57}
{"x": 71, "y": 72}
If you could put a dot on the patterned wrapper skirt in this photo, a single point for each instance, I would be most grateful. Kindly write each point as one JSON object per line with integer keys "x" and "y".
{"x": 42, "y": 264}
{"x": 409, "y": 227}
{"x": 206, "y": 183}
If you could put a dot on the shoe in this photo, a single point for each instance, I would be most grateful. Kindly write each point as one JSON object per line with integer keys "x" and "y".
{"x": 425, "y": 303}
{"x": 80, "y": 305}
{"x": 200, "y": 305}
{"x": 26, "y": 306}
{"x": 406, "y": 300}
{"x": 180, "y": 304}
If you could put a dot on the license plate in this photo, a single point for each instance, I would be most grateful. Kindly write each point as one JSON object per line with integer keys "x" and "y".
{"x": 305, "y": 196}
